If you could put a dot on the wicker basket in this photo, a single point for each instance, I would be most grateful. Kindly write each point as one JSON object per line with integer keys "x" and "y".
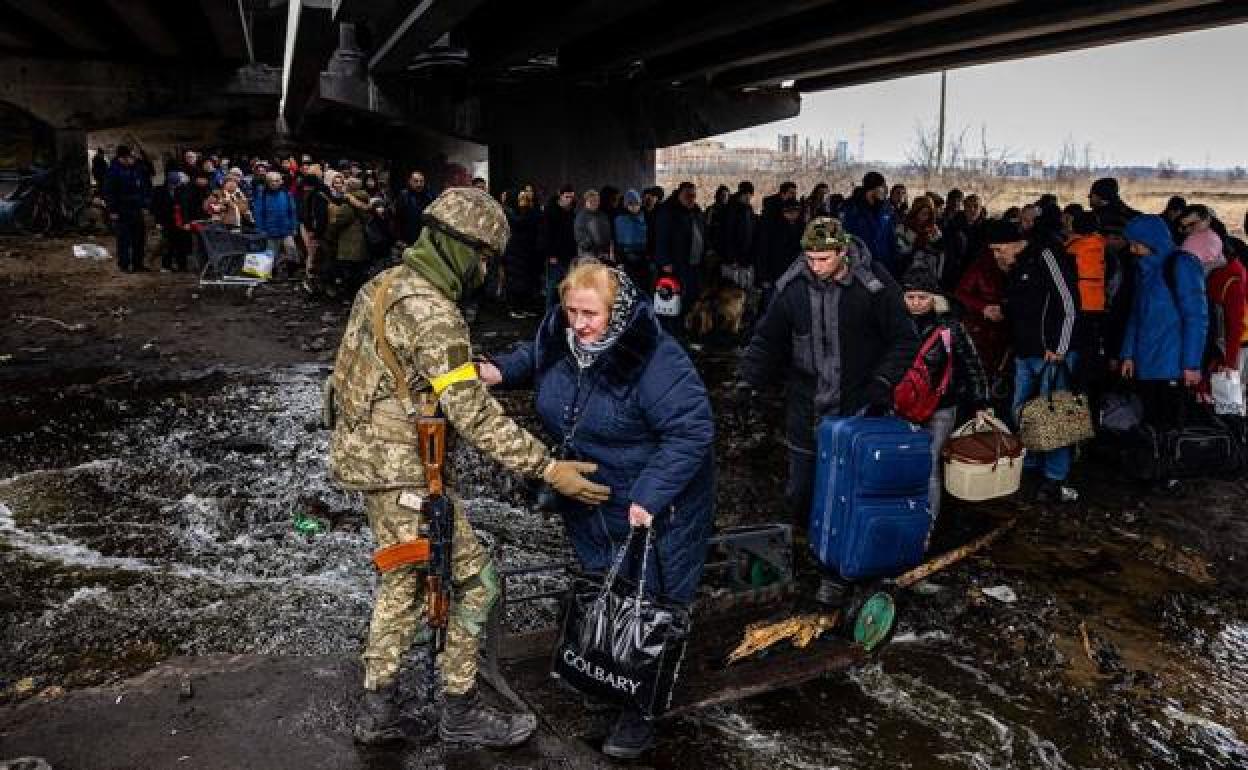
{"x": 983, "y": 461}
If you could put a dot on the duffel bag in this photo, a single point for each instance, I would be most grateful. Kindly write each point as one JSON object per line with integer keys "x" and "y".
{"x": 983, "y": 461}
{"x": 1056, "y": 419}
{"x": 619, "y": 646}
{"x": 1205, "y": 445}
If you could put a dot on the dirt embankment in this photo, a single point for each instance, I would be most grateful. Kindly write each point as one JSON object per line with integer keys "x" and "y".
{"x": 84, "y": 315}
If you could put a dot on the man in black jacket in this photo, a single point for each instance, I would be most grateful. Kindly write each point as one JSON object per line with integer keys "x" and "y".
{"x": 556, "y": 240}
{"x": 739, "y": 227}
{"x": 681, "y": 242}
{"x": 849, "y": 358}
{"x": 1041, "y": 306}
{"x": 778, "y": 245}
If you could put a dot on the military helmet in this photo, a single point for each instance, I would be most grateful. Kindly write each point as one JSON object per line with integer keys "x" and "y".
{"x": 824, "y": 234}
{"x": 472, "y": 216}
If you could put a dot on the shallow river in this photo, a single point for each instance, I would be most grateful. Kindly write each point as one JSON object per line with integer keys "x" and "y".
{"x": 143, "y": 521}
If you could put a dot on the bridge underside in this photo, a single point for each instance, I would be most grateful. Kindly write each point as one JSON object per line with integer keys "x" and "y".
{"x": 558, "y": 91}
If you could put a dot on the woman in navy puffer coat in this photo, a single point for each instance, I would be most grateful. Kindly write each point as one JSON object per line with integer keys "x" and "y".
{"x": 623, "y": 394}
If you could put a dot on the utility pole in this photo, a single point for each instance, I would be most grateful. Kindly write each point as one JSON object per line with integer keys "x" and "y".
{"x": 940, "y": 130}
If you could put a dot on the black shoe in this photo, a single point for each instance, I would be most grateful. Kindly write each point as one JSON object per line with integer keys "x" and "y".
{"x": 378, "y": 717}
{"x": 832, "y": 593}
{"x": 465, "y": 719}
{"x": 630, "y": 737}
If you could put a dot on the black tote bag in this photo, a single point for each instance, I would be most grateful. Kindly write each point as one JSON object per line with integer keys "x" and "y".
{"x": 619, "y": 646}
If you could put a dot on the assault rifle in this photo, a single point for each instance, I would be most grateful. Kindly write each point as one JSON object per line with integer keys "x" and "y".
{"x": 440, "y": 517}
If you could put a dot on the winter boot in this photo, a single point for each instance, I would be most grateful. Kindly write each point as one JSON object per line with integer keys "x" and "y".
{"x": 378, "y": 717}
{"x": 465, "y": 719}
{"x": 630, "y": 737}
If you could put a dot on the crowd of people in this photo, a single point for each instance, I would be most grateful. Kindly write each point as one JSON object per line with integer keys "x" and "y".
{"x": 1040, "y": 295}
{"x": 329, "y": 222}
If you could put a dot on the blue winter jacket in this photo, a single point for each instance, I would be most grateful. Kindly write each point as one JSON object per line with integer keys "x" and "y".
{"x": 876, "y": 226}
{"x": 274, "y": 211}
{"x": 645, "y": 419}
{"x": 127, "y": 189}
{"x": 1166, "y": 327}
{"x": 630, "y": 233}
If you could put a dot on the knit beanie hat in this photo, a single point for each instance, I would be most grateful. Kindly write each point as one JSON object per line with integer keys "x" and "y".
{"x": 872, "y": 180}
{"x": 631, "y": 197}
{"x": 1105, "y": 187}
{"x": 1003, "y": 231}
{"x": 920, "y": 279}
{"x": 1084, "y": 223}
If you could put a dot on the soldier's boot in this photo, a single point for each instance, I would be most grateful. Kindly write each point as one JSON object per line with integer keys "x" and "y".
{"x": 379, "y": 717}
{"x": 465, "y": 719}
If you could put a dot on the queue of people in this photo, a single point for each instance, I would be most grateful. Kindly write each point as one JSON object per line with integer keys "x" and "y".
{"x": 1039, "y": 300}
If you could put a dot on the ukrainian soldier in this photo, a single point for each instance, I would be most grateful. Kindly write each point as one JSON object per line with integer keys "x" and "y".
{"x": 406, "y": 350}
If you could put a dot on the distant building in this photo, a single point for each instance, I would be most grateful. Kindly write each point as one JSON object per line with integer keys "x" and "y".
{"x": 841, "y": 155}
{"x": 788, "y": 144}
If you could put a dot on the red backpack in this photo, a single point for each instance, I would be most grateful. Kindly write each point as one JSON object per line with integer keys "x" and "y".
{"x": 918, "y": 395}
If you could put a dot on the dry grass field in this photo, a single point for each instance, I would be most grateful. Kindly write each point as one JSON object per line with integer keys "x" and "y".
{"x": 1229, "y": 199}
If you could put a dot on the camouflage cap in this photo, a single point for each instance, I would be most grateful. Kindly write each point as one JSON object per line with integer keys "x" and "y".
{"x": 472, "y": 216}
{"x": 824, "y": 234}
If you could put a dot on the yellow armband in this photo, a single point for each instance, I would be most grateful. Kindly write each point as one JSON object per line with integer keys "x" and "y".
{"x": 465, "y": 373}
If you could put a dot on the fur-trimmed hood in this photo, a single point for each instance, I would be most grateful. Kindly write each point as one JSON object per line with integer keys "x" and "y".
{"x": 622, "y": 363}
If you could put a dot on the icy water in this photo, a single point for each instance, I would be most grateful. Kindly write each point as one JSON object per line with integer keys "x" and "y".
{"x": 141, "y": 521}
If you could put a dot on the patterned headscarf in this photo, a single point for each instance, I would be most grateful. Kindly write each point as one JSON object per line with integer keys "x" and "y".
{"x": 626, "y": 298}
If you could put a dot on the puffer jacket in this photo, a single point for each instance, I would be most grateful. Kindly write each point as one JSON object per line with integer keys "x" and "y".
{"x": 969, "y": 383}
{"x": 630, "y": 234}
{"x": 645, "y": 419}
{"x": 876, "y": 226}
{"x": 983, "y": 284}
{"x": 1166, "y": 330}
{"x": 275, "y": 214}
{"x": 346, "y": 227}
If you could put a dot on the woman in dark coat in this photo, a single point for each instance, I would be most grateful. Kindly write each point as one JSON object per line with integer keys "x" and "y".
{"x": 619, "y": 392}
{"x": 522, "y": 263}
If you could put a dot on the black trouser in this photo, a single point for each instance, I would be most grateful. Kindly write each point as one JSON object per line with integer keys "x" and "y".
{"x": 1091, "y": 372}
{"x": 1163, "y": 403}
{"x": 131, "y": 234}
{"x": 800, "y": 489}
{"x": 177, "y": 248}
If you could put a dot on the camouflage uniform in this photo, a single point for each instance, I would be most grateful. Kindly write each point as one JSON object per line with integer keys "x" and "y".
{"x": 373, "y": 449}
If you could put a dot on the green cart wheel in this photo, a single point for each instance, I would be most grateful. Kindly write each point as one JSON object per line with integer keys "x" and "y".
{"x": 875, "y": 620}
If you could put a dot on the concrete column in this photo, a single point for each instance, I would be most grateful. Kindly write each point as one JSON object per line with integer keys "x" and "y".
{"x": 553, "y": 137}
{"x": 71, "y": 153}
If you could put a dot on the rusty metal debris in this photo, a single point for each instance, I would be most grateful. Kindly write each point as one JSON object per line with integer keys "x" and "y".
{"x": 801, "y": 630}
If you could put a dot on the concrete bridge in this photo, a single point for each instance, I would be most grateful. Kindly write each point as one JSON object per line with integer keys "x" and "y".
{"x": 548, "y": 90}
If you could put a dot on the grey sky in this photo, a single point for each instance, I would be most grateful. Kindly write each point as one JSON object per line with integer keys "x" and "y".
{"x": 1181, "y": 96}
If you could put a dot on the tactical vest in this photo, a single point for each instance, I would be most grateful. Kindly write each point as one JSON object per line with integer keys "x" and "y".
{"x": 374, "y": 443}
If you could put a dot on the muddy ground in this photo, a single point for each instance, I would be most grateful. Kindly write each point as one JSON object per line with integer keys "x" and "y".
{"x": 151, "y": 465}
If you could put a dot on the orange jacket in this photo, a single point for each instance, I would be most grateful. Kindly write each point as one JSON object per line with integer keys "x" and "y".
{"x": 1089, "y": 254}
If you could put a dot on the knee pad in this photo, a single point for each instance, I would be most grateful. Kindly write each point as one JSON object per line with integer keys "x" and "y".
{"x": 477, "y": 599}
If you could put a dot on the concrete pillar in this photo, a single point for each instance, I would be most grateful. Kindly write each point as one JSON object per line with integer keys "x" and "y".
{"x": 71, "y": 154}
{"x": 559, "y": 136}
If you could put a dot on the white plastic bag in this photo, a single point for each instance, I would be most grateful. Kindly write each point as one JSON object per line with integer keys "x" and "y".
{"x": 90, "y": 251}
{"x": 258, "y": 264}
{"x": 1228, "y": 393}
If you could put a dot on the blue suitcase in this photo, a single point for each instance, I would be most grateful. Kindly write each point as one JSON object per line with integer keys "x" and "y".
{"x": 869, "y": 514}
